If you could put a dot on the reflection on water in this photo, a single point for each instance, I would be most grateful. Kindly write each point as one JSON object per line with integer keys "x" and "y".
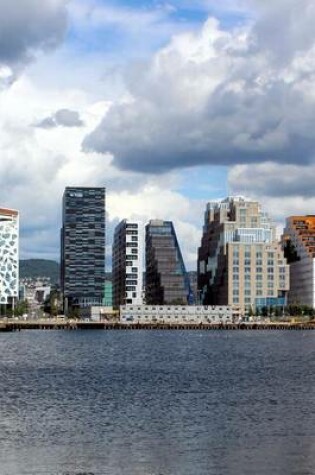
{"x": 157, "y": 403}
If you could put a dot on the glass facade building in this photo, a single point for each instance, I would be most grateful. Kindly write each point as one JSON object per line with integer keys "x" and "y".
{"x": 167, "y": 281}
{"x": 108, "y": 294}
{"x": 83, "y": 246}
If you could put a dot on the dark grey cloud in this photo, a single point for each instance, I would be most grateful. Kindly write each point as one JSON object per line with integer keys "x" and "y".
{"x": 62, "y": 118}
{"x": 27, "y": 27}
{"x": 219, "y": 97}
{"x": 273, "y": 180}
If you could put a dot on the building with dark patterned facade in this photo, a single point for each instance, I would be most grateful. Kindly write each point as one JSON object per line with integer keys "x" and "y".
{"x": 83, "y": 246}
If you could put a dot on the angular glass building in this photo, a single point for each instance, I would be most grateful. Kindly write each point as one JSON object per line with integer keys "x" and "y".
{"x": 9, "y": 256}
{"x": 83, "y": 246}
{"x": 167, "y": 281}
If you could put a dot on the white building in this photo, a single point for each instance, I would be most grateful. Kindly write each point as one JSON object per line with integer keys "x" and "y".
{"x": 128, "y": 264}
{"x": 9, "y": 256}
{"x": 175, "y": 314}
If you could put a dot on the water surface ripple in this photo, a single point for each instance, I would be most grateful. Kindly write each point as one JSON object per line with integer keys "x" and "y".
{"x": 157, "y": 403}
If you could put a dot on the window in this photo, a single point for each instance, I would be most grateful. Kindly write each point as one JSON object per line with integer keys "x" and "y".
{"x": 236, "y": 300}
{"x": 259, "y": 270}
{"x": 235, "y": 292}
{"x": 247, "y": 277}
{"x": 247, "y": 293}
{"x": 235, "y": 277}
{"x": 235, "y": 269}
{"x": 247, "y": 270}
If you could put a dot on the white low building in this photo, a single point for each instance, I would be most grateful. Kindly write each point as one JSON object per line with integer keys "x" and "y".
{"x": 175, "y": 314}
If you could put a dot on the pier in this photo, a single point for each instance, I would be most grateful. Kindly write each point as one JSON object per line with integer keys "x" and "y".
{"x": 49, "y": 324}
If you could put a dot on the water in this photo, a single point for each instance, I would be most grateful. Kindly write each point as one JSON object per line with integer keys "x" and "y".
{"x": 157, "y": 403}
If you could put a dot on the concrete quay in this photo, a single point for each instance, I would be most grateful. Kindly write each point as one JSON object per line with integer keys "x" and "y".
{"x": 7, "y": 326}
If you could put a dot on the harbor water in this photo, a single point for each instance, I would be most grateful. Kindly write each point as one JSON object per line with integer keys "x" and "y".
{"x": 157, "y": 403}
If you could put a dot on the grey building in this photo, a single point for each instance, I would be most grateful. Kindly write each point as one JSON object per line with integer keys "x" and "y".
{"x": 83, "y": 246}
{"x": 167, "y": 281}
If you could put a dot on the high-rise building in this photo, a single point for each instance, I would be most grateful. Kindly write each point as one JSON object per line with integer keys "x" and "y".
{"x": 240, "y": 262}
{"x": 9, "y": 256}
{"x": 128, "y": 264}
{"x": 167, "y": 281}
{"x": 83, "y": 246}
{"x": 299, "y": 249}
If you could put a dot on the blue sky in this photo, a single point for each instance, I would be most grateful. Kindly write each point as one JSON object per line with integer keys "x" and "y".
{"x": 167, "y": 104}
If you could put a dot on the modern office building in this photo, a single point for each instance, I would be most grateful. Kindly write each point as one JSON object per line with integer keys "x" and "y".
{"x": 9, "y": 256}
{"x": 167, "y": 281}
{"x": 83, "y": 246}
{"x": 240, "y": 262}
{"x": 127, "y": 264}
{"x": 299, "y": 249}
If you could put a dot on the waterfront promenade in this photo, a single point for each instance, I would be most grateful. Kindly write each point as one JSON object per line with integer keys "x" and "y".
{"x": 53, "y": 324}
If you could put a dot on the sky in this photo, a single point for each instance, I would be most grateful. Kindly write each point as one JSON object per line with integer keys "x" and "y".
{"x": 166, "y": 104}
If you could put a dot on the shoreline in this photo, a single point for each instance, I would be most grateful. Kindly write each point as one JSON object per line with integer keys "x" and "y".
{"x": 9, "y": 326}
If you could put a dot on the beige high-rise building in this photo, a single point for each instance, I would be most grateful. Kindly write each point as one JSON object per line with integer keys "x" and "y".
{"x": 240, "y": 261}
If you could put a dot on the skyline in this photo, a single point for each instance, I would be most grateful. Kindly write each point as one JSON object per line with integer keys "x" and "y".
{"x": 166, "y": 105}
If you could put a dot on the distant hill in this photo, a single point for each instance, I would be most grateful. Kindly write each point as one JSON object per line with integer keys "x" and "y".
{"x": 40, "y": 268}
{"x": 44, "y": 268}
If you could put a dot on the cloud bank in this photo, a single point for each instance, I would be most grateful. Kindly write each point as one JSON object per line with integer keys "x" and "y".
{"x": 28, "y": 27}
{"x": 220, "y": 97}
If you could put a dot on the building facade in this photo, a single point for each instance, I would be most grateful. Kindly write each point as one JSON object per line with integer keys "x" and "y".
{"x": 240, "y": 262}
{"x": 9, "y": 256}
{"x": 127, "y": 263}
{"x": 83, "y": 246}
{"x": 299, "y": 248}
{"x": 108, "y": 294}
{"x": 167, "y": 281}
{"x": 175, "y": 314}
